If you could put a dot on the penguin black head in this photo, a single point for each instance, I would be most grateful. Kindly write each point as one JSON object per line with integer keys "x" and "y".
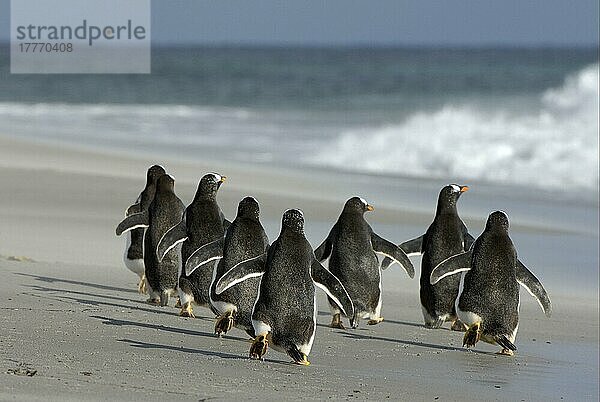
{"x": 154, "y": 172}
{"x": 293, "y": 219}
{"x": 165, "y": 182}
{"x": 248, "y": 208}
{"x": 209, "y": 185}
{"x": 357, "y": 205}
{"x": 449, "y": 195}
{"x": 497, "y": 219}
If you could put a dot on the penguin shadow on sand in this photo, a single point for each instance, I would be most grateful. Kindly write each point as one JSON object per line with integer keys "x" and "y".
{"x": 84, "y": 298}
{"x": 164, "y": 328}
{"x": 417, "y": 325}
{"x": 49, "y": 279}
{"x": 355, "y": 334}
{"x": 181, "y": 331}
{"x": 147, "y": 345}
{"x": 387, "y": 321}
{"x": 92, "y": 302}
{"x": 352, "y": 335}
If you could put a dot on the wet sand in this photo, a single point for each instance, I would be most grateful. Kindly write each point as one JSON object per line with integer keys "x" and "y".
{"x": 70, "y": 312}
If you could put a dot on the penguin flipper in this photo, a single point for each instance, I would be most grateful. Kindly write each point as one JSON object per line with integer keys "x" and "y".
{"x": 133, "y": 209}
{"x": 241, "y": 271}
{"x": 135, "y": 221}
{"x": 450, "y": 266}
{"x": 333, "y": 287}
{"x": 469, "y": 240}
{"x": 410, "y": 247}
{"x": 324, "y": 250}
{"x": 532, "y": 284}
{"x": 209, "y": 252}
{"x": 177, "y": 234}
{"x": 395, "y": 253}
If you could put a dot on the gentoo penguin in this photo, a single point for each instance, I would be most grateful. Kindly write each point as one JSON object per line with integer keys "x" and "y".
{"x": 134, "y": 243}
{"x": 285, "y": 311}
{"x": 446, "y": 236}
{"x": 352, "y": 245}
{"x": 245, "y": 239}
{"x": 164, "y": 211}
{"x": 202, "y": 223}
{"x": 488, "y": 302}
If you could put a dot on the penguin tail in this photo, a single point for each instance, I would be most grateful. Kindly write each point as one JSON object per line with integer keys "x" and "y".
{"x": 503, "y": 341}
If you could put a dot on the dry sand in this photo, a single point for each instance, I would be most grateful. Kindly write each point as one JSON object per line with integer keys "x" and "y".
{"x": 72, "y": 320}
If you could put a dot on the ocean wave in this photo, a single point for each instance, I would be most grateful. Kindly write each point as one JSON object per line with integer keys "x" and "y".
{"x": 551, "y": 143}
{"x": 554, "y": 146}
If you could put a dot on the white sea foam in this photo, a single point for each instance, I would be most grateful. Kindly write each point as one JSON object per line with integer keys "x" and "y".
{"x": 554, "y": 146}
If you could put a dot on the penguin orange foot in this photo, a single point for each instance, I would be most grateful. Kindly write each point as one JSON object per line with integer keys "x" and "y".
{"x": 259, "y": 347}
{"x": 298, "y": 357}
{"x": 224, "y": 323}
{"x": 154, "y": 301}
{"x": 458, "y": 325}
{"x": 142, "y": 285}
{"x": 187, "y": 310}
{"x": 336, "y": 322}
{"x": 375, "y": 321}
{"x": 472, "y": 335}
{"x": 304, "y": 361}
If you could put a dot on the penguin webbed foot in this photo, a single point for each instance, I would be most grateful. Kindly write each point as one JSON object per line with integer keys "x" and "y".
{"x": 458, "y": 325}
{"x": 142, "y": 285}
{"x": 375, "y": 321}
{"x": 187, "y": 310}
{"x": 472, "y": 335}
{"x": 505, "y": 352}
{"x": 224, "y": 323}
{"x": 178, "y": 303}
{"x": 155, "y": 301}
{"x": 435, "y": 324}
{"x": 336, "y": 322}
{"x": 259, "y": 347}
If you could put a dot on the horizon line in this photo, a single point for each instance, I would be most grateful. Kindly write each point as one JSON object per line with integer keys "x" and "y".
{"x": 364, "y": 45}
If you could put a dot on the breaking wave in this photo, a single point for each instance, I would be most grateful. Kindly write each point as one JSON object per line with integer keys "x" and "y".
{"x": 552, "y": 146}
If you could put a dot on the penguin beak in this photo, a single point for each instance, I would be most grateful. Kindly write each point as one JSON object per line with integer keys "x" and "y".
{"x": 464, "y": 189}
{"x": 223, "y": 179}
{"x": 370, "y": 207}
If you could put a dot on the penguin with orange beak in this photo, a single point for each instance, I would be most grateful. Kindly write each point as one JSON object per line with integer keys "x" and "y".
{"x": 351, "y": 247}
{"x": 446, "y": 236}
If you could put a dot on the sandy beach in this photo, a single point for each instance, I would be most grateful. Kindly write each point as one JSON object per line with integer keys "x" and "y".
{"x": 72, "y": 319}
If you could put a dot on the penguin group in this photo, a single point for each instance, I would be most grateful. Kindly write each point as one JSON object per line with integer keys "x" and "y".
{"x": 268, "y": 289}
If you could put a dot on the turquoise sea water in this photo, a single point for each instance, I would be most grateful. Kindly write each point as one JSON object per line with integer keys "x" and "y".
{"x": 524, "y": 116}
